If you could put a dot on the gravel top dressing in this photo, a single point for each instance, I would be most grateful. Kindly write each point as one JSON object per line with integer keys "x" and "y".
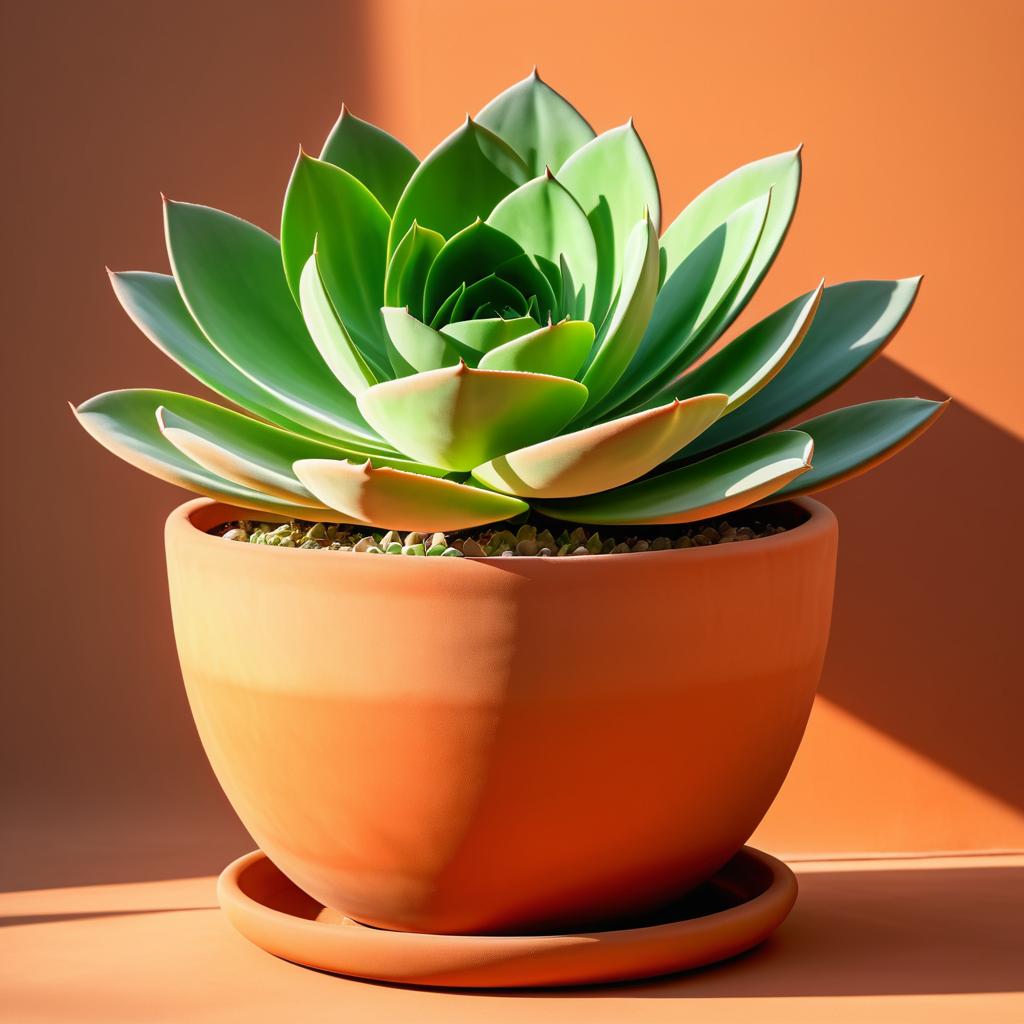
{"x": 526, "y": 540}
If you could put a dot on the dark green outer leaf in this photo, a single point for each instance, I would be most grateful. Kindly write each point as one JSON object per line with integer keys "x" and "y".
{"x": 854, "y": 322}
{"x": 715, "y": 486}
{"x": 125, "y": 423}
{"x": 155, "y": 306}
{"x": 372, "y": 156}
{"x": 230, "y": 275}
{"x": 539, "y": 124}
{"x": 750, "y": 362}
{"x": 853, "y": 440}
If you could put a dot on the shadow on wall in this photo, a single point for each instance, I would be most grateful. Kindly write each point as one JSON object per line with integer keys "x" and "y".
{"x": 926, "y": 542}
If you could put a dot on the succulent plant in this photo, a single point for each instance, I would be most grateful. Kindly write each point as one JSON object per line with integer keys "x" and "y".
{"x": 441, "y": 344}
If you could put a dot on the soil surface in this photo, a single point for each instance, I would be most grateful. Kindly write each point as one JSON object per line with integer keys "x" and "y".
{"x": 533, "y": 538}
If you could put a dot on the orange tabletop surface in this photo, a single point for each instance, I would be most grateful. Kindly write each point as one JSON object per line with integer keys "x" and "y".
{"x": 912, "y": 939}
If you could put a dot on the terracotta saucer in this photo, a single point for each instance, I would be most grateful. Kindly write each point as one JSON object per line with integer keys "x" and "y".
{"x": 738, "y": 908}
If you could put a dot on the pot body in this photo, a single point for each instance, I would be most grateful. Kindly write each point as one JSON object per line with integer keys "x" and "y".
{"x": 500, "y": 745}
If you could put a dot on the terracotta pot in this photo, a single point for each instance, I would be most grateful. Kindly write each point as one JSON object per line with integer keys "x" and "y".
{"x": 500, "y": 745}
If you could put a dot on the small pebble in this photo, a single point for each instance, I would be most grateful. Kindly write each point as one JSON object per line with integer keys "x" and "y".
{"x": 236, "y": 534}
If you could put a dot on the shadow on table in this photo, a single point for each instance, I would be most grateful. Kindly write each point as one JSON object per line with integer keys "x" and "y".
{"x": 912, "y": 931}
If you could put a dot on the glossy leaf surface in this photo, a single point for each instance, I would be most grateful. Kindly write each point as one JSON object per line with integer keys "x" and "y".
{"x": 713, "y": 487}
{"x": 630, "y": 315}
{"x": 328, "y": 206}
{"x": 853, "y": 440}
{"x": 472, "y": 254}
{"x": 155, "y": 306}
{"x": 779, "y": 174}
{"x": 559, "y": 349}
{"x": 548, "y": 223}
{"x": 125, "y": 423}
{"x": 329, "y": 333}
{"x": 853, "y": 323}
{"x": 408, "y": 268}
{"x": 421, "y": 347}
{"x": 396, "y": 500}
{"x": 688, "y": 298}
{"x": 474, "y": 338}
{"x": 230, "y": 275}
{"x": 601, "y": 457}
{"x": 612, "y": 179}
{"x": 458, "y": 417}
{"x": 462, "y": 179}
{"x": 749, "y": 362}
{"x": 372, "y": 156}
{"x": 540, "y": 125}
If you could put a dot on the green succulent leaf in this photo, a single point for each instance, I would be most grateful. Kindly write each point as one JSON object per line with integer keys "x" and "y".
{"x": 854, "y": 322}
{"x": 155, "y": 306}
{"x": 559, "y": 350}
{"x": 626, "y": 326}
{"x": 421, "y": 347}
{"x": 715, "y": 486}
{"x": 458, "y": 417}
{"x": 748, "y": 363}
{"x": 443, "y": 315}
{"x": 125, "y": 423}
{"x": 502, "y": 309}
{"x": 474, "y": 338}
{"x": 396, "y": 500}
{"x": 689, "y": 297}
{"x": 532, "y": 283}
{"x": 853, "y": 440}
{"x": 778, "y": 174}
{"x": 462, "y": 179}
{"x": 329, "y": 334}
{"x": 472, "y": 254}
{"x": 329, "y": 206}
{"x": 254, "y": 454}
{"x": 230, "y": 276}
{"x": 492, "y": 293}
{"x": 371, "y": 156}
{"x": 544, "y": 218}
{"x": 408, "y": 268}
{"x": 543, "y": 127}
{"x": 601, "y": 457}
{"x": 612, "y": 179}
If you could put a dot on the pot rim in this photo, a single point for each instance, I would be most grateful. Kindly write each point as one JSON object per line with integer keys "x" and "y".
{"x": 190, "y": 521}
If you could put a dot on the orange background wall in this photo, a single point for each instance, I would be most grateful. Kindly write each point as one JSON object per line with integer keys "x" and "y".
{"x": 910, "y": 116}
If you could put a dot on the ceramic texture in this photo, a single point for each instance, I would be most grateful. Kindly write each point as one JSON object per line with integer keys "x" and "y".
{"x": 500, "y": 745}
{"x": 735, "y": 910}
